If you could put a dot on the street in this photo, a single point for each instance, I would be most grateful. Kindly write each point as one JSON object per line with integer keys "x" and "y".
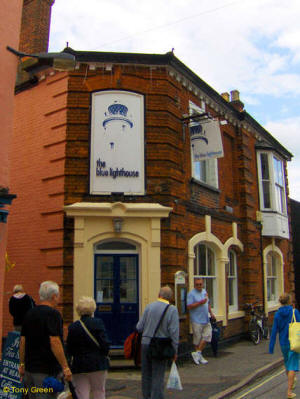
{"x": 272, "y": 385}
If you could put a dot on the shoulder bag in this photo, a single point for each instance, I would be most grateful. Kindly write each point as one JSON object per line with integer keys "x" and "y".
{"x": 161, "y": 348}
{"x": 103, "y": 346}
{"x": 294, "y": 334}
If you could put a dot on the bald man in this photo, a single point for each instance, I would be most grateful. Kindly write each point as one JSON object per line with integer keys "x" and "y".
{"x": 153, "y": 370}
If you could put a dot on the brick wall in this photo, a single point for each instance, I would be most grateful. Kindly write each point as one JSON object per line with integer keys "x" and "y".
{"x": 168, "y": 171}
{"x": 55, "y": 169}
{"x": 37, "y": 157}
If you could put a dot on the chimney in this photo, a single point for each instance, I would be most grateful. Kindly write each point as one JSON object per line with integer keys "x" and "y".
{"x": 225, "y": 96}
{"x": 235, "y": 100}
{"x": 35, "y": 26}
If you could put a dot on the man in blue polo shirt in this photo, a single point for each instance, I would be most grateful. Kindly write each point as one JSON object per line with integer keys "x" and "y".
{"x": 199, "y": 307}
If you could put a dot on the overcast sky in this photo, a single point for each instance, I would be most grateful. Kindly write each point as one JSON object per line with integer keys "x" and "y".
{"x": 249, "y": 45}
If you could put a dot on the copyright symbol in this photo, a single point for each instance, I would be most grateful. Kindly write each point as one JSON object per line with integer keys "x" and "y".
{"x": 6, "y": 389}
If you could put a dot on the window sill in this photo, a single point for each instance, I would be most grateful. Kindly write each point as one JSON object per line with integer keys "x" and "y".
{"x": 272, "y": 307}
{"x": 274, "y": 212}
{"x": 236, "y": 314}
{"x": 205, "y": 185}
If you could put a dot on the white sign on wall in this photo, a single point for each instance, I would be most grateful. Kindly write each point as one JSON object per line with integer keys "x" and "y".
{"x": 117, "y": 143}
{"x": 206, "y": 140}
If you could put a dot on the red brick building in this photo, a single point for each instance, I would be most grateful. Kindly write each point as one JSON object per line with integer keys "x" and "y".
{"x": 115, "y": 197}
{"x": 10, "y": 12}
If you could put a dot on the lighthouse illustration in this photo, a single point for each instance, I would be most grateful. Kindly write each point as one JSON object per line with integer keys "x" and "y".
{"x": 116, "y": 124}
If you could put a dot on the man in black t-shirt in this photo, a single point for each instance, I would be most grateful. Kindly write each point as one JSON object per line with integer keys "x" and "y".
{"x": 41, "y": 349}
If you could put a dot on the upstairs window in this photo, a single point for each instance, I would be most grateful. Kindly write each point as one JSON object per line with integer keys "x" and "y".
{"x": 271, "y": 183}
{"x": 205, "y": 171}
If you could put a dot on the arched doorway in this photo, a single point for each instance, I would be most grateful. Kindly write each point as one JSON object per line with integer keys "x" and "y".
{"x": 116, "y": 288}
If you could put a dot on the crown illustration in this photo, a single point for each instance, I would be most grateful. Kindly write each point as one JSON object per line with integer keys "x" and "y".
{"x": 117, "y": 112}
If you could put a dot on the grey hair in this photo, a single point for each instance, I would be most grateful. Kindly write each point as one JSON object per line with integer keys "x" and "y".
{"x": 18, "y": 288}
{"x": 166, "y": 293}
{"x": 86, "y": 306}
{"x": 47, "y": 290}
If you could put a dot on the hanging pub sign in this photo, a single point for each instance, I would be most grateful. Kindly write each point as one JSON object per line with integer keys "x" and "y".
{"x": 117, "y": 143}
{"x": 206, "y": 140}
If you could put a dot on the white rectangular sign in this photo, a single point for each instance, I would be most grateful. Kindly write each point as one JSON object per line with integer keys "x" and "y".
{"x": 206, "y": 140}
{"x": 117, "y": 143}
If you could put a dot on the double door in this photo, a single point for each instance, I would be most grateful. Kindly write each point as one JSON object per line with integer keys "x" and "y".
{"x": 116, "y": 294}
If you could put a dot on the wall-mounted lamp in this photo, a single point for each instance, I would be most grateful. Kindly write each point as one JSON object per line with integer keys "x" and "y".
{"x": 117, "y": 222}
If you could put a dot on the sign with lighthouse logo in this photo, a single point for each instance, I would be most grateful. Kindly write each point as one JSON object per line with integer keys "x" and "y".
{"x": 117, "y": 143}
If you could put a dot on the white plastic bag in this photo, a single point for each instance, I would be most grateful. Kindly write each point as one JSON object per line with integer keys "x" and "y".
{"x": 174, "y": 378}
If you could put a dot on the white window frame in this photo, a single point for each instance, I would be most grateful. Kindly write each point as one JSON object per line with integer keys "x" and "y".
{"x": 274, "y": 186}
{"x": 209, "y": 167}
{"x": 234, "y": 279}
{"x": 206, "y": 277}
{"x": 273, "y": 278}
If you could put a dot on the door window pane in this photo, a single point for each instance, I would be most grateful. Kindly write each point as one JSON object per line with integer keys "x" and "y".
{"x": 128, "y": 291}
{"x": 104, "y": 290}
{"x": 128, "y": 277}
{"x": 105, "y": 267}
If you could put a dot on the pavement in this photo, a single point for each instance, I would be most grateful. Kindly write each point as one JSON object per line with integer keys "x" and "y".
{"x": 234, "y": 367}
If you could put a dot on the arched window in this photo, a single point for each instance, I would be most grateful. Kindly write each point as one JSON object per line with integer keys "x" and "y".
{"x": 205, "y": 267}
{"x": 232, "y": 281}
{"x": 272, "y": 276}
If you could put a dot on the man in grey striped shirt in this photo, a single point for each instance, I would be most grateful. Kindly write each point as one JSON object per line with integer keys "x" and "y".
{"x": 153, "y": 370}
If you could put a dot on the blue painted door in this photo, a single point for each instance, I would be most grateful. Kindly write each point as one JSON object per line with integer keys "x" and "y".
{"x": 116, "y": 294}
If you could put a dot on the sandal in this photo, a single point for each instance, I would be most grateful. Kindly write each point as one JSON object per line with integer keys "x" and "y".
{"x": 291, "y": 395}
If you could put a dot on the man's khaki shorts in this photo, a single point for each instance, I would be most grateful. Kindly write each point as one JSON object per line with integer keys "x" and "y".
{"x": 201, "y": 332}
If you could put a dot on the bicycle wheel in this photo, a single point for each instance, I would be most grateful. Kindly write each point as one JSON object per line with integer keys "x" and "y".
{"x": 254, "y": 332}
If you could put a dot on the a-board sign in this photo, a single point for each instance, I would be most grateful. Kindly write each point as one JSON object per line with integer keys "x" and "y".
{"x": 10, "y": 385}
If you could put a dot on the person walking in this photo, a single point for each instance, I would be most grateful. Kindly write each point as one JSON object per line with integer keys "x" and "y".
{"x": 88, "y": 347}
{"x": 41, "y": 344}
{"x": 153, "y": 370}
{"x": 282, "y": 319}
{"x": 199, "y": 307}
{"x": 18, "y": 305}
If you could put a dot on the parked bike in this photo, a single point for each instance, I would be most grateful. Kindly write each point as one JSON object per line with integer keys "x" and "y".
{"x": 258, "y": 324}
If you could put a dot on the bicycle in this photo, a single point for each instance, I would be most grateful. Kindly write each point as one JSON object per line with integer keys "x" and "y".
{"x": 258, "y": 324}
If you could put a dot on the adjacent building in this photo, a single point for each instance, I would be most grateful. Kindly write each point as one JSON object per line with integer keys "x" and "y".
{"x": 10, "y": 12}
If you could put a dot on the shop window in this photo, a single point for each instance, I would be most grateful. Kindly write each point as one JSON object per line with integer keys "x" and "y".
{"x": 271, "y": 183}
{"x": 272, "y": 277}
{"x": 205, "y": 267}
{"x": 231, "y": 271}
